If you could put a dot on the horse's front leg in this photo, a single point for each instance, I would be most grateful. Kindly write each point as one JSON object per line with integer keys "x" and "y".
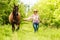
{"x": 18, "y": 26}
{"x": 13, "y": 28}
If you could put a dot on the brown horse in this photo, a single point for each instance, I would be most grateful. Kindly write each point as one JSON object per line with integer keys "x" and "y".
{"x": 14, "y": 18}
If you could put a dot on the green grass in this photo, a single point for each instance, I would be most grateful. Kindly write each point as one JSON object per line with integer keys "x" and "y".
{"x": 26, "y": 32}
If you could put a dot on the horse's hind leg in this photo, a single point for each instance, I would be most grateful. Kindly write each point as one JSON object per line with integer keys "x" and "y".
{"x": 13, "y": 28}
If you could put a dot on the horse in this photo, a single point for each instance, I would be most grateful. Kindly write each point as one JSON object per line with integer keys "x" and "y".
{"x": 14, "y": 18}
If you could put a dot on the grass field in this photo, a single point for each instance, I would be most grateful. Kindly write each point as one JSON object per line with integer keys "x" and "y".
{"x": 26, "y": 32}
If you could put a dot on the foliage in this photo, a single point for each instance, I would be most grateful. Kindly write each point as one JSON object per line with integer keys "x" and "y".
{"x": 49, "y": 11}
{"x": 22, "y": 11}
{"x": 6, "y": 7}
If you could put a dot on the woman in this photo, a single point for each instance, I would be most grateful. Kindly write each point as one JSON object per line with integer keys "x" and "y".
{"x": 35, "y": 20}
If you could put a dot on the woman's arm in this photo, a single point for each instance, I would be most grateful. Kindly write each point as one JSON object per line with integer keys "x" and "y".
{"x": 27, "y": 19}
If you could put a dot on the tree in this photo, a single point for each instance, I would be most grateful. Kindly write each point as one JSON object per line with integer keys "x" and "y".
{"x": 49, "y": 11}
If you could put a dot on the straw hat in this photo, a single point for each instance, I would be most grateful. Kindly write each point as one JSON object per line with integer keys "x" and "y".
{"x": 35, "y": 10}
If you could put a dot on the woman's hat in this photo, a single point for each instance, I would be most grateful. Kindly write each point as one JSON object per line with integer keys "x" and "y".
{"x": 35, "y": 10}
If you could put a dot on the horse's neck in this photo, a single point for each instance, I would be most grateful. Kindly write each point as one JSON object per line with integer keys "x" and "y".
{"x": 14, "y": 15}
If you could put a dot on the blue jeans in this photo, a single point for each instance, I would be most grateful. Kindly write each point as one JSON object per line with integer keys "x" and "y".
{"x": 35, "y": 26}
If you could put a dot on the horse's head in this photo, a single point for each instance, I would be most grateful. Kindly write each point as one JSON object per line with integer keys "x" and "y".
{"x": 15, "y": 10}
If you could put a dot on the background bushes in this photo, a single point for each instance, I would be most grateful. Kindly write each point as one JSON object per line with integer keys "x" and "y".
{"x": 6, "y": 7}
